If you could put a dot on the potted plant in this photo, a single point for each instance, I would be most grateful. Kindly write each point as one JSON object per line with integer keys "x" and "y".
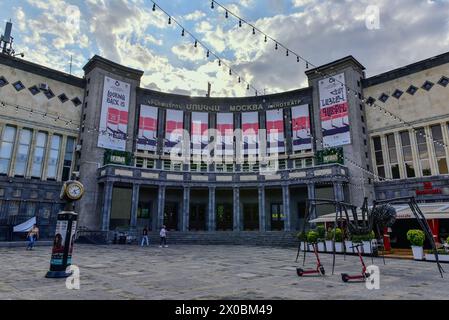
{"x": 367, "y": 240}
{"x": 443, "y": 254}
{"x": 321, "y": 231}
{"x": 329, "y": 240}
{"x": 338, "y": 239}
{"x": 357, "y": 239}
{"x": 302, "y": 237}
{"x": 416, "y": 238}
{"x": 312, "y": 239}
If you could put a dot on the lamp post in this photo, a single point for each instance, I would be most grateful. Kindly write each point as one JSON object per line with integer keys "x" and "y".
{"x": 61, "y": 255}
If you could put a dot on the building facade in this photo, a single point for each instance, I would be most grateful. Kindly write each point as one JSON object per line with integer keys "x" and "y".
{"x": 249, "y": 164}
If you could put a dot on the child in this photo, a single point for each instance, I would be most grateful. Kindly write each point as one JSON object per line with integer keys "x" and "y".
{"x": 163, "y": 235}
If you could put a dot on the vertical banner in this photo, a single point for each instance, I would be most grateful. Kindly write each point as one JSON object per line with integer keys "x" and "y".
{"x": 301, "y": 137}
{"x": 147, "y": 135}
{"x": 225, "y": 134}
{"x": 199, "y": 129}
{"x": 275, "y": 131}
{"x": 114, "y": 115}
{"x": 334, "y": 111}
{"x": 250, "y": 131}
{"x": 174, "y": 125}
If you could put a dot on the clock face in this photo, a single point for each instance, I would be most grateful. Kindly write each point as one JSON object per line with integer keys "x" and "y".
{"x": 74, "y": 191}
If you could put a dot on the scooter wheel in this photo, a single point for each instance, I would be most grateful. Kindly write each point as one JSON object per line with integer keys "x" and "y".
{"x": 344, "y": 277}
{"x": 322, "y": 271}
{"x": 299, "y": 272}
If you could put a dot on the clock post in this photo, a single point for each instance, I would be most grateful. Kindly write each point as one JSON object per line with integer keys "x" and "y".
{"x": 61, "y": 255}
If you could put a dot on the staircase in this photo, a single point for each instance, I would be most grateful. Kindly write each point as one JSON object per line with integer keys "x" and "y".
{"x": 91, "y": 237}
{"x": 271, "y": 238}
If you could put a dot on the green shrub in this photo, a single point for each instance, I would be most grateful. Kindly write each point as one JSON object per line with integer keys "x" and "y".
{"x": 312, "y": 237}
{"x": 356, "y": 238}
{"x": 302, "y": 236}
{"x": 321, "y": 231}
{"x": 416, "y": 237}
{"x": 338, "y": 235}
{"x": 363, "y": 237}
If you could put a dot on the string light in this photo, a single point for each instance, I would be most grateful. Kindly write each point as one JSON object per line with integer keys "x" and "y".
{"x": 212, "y": 5}
{"x": 226, "y": 15}
{"x": 169, "y": 20}
{"x": 154, "y": 7}
{"x": 182, "y": 33}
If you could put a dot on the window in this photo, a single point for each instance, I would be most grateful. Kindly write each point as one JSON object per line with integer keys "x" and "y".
{"x": 6, "y": 148}
{"x": 53, "y": 157}
{"x": 150, "y": 164}
{"x": 139, "y": 162}
{"x": 423, "y": 152}
{"x": 407, "y": 154}
{"x": 39, "y": 153}
{"x": 440, "y": 152}
{"x": 23, "y": 151}
{"x": 68, "y": 158}
{"x": 379, "y": 158}
{"x": 282, "y": 164}
{"x": 167, "y": 165}
{"x": 394, "y": 165}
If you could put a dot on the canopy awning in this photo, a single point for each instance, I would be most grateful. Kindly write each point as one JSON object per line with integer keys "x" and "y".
{"x": 438, "y": 210}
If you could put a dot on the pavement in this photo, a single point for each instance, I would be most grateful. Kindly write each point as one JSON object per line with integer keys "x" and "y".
{"x": 209, "y": 272}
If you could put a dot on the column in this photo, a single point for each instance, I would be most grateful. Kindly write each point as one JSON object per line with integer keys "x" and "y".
{"x": 262, "y": 214}
{"x": 160, "y": 206}
{"x": 311, "y": 195}
{"x": 107, "y": 203}
{"x": 286, "y": 207}
{"x": 185, "y": 209}
{"x": 338, "y": 191}
{"x": 134, "y": 206}
{"x": 236, "y": 217}
{"x": 211, "y": 225}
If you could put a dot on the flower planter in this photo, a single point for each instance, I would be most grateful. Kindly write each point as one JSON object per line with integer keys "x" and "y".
{"x": 367, "y": 247}
{"x": 418, "y": 253}
{"x": 302, "y": 246}
{"x": 310, "y": 247}
{"x": 329, "y": 246}
{"x": 338, "y": 247}
{"x": 348, "y": 246}
{"x": 321, "y": 247}
{"x": 441, "y": 257}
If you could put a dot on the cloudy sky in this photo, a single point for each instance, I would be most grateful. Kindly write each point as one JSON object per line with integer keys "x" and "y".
{"x": 130, "y": 33}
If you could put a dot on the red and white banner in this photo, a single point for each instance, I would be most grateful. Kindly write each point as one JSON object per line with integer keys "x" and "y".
{"x": 147, "y": 135}
{"x": 225, "y": 134}
{"x": 199, "y": 131}
{"x": 113, "y": 126}
{"x": 174, "y": 125}
{"x": 301, "y": 135}
{"x": 334, "y": 111}
{"x": 250, "y": 132}
{"x": 275, "y": 131}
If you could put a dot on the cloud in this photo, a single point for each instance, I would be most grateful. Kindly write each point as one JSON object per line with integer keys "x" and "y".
{"x": 196, "y": 15}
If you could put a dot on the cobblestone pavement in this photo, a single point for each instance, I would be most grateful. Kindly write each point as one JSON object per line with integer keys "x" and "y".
{"x": 208, "y": 272}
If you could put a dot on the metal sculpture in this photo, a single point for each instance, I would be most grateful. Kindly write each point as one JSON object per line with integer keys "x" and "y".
{"x": 381, "y": 215}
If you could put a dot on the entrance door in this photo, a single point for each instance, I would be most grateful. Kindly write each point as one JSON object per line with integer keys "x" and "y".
{"x": 277, "y": 217}
{"x": 171, "y": 215}
{"x": 251, "y": 216}
{"x": 144, "y": 215}
{"x": 224, "y": 216}
{"x": 197, "y": 219}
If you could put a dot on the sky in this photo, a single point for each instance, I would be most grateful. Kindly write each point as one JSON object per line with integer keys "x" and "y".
{"x": 130, "y": 33}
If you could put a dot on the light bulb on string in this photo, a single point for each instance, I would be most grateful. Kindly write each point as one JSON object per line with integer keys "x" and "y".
{"x": 265, "y": 40}
{"x": 230, "y": 72}
{"x": 254, "y": 30}
{"x": 226, "y": 14}
{"x": 195, "y": 44}
{"x": 182, "y": 33}
{"x": 240, "y": 23}
{"x": 247, "y": 87}
{"x": 169, "y": 20}
{"x": 154, "y": 7}
{"x": 276, "y": 46}
{"x": 219, "y": 63}
{"x": 286, "y": 54}
{"x": 207, "y": 54}
{"x": 212, "y": 5}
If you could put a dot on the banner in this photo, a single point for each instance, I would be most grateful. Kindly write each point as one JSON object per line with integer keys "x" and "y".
{"x": 275, "y": 131}
{"x": 174, "y": 125}
{"x": 250, "y": 130}
{"x": 26, "y": 226}
{"x": 199, "y": 128}
{"x": 114, "y": 115}
{"x": 147, "y": 135}
{"x": 301, "y": 137}
{"x": 334, "y": 111}
{"x": 225, "y": 134}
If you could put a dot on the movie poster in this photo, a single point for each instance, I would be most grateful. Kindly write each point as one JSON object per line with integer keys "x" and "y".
{"x": 147, "y": 135}
{"x": 250, "y": 132}
{"x": 301, "y": 135}
{"x": 225, "y": 134}
{"x": 114, "y": 115}
{"x": 199, "y": 129}
{"x": 275, "y": 131}
{"x": 334, "y": 111}
{"x": 174, "y": 125}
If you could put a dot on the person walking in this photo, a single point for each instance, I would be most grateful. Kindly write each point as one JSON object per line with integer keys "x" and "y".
{"x": 163, "y": 235}
{"x": 32, "y": 237}
{"x": 145, "y": 237}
